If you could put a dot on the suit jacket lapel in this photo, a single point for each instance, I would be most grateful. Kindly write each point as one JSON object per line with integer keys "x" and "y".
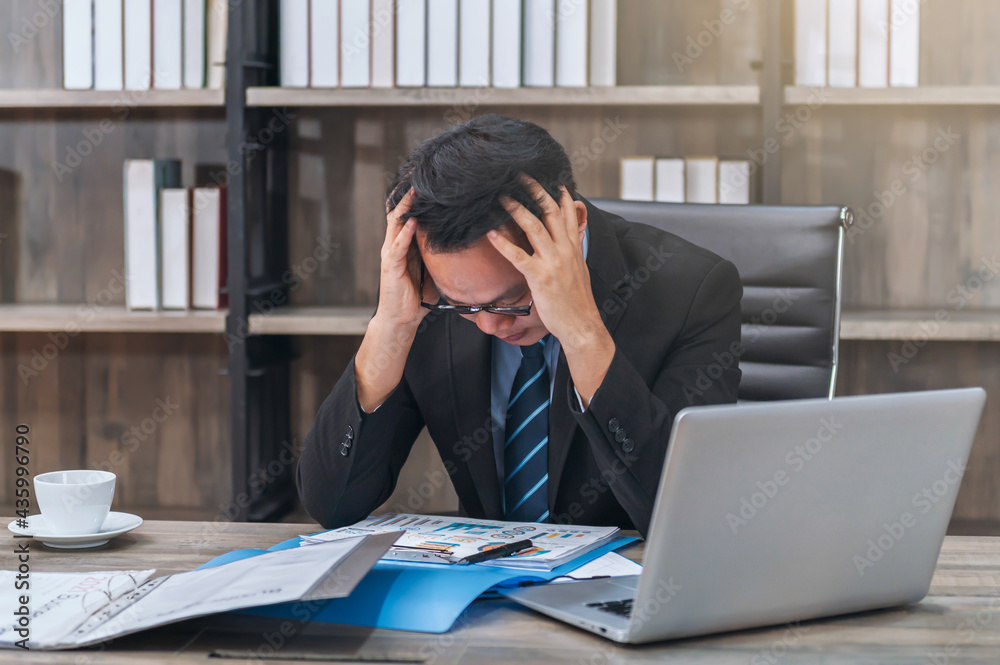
{"x": 470, "y": 371}
{"x": 607, "y": 268}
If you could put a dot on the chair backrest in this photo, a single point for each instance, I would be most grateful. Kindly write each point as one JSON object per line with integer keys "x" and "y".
{"x": 790, "y": 259}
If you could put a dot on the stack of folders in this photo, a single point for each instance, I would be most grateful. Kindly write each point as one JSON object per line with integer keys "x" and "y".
{"x": 687, "y": 180}
{"x": 857, "y": 43}
{"x": 448, "y": 43}
{"x": 447, "y": 540}
{"x": 143, "y": 44}
{"x": 175, "y": 239}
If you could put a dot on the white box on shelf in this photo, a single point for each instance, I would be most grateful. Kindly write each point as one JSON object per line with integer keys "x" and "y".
{"x": 324, "y": 43}
{"x": 669, "y": 180}
{"x": 637, "y": 177}
{"x": 701, "y": 179}
{"x": 734, "y": 181}
{"x": 78, "y": 44}
{"x": 810, "y": 42}
{"x": 168, "y": 40}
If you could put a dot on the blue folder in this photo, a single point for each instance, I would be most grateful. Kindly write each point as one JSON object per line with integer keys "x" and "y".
{"x": 401, "y": 595}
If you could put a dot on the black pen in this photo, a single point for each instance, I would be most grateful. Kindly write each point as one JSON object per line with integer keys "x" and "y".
{"x": 497, "y": 552}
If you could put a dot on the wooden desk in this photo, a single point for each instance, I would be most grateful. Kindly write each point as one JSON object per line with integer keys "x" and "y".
{"x": 959, "y": 622}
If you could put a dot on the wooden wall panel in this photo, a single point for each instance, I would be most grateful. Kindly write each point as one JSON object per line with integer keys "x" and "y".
{"x": 866, "y": 369}
{"x": 83, "y": 405}
{"x": 31, "y": 50}
{"x": 688, "y": 42}
{"x": 960, "y": 42}
{"x": 921, "y": 181}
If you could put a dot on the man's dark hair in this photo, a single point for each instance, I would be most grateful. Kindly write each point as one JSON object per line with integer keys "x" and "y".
{"x": 460, "y": 174}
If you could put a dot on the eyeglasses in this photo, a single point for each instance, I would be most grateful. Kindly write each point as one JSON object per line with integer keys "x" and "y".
{"x": 519, "y": 310}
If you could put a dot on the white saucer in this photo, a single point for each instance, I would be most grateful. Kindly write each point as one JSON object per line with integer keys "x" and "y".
{"x": 115, "y": 524}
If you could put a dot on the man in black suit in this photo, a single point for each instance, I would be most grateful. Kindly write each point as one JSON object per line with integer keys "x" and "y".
{"x": 491, "y": 255}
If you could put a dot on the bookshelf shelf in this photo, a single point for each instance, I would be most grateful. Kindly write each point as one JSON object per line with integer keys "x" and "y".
{"x": 678, "y": 95}
{"x": 968, "y": 95}
{"x": 944, "y": 325}
{"x": 82, "y": 318}
{"x": 56, "y": 98}
{"x": 854, "y": 325}
{"x": 312, "y": 321}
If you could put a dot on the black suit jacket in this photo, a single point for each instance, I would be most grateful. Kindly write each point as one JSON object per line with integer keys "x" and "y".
{"x": 673, "y": 310}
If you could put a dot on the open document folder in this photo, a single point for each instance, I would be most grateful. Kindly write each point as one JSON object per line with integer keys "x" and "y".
{"x": 434, "y": 539}
{"x": 78, "y": 609}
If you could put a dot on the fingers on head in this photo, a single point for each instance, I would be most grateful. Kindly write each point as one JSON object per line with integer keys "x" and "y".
{"x": 399, "y": 201}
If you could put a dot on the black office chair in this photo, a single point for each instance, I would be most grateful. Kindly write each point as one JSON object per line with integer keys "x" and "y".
{"x": 790, "y": 260}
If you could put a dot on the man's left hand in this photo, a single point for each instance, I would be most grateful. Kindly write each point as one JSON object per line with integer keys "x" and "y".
{"x": 559, "y": 281}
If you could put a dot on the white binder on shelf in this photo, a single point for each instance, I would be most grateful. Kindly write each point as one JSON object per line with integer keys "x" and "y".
{"x": 810, "y": 42}
{"x": 539, "y": 44}
{"x": 324, "y": 43}
{"x": 506, "y": 43}
{"x": 842, "y": 40}
{"x": 474, "y": 38}
{"x": 355, "y": 43}
{"x": 904, "y": 43}
{"x": 873, "y": 43}
{"x": 78, "y": 44}
{"x": 294, "y": 37}
{"x": 109, "y": 45}
{"x": 603, "y": 42}
{"x": 572, "y": 49}
{"x": 168, "y": 41}
{"x": 411, "y": 43}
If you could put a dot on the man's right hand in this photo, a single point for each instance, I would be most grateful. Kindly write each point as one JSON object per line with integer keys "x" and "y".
{"x": 399, "y": 285}
{"x": 379, "y": 363}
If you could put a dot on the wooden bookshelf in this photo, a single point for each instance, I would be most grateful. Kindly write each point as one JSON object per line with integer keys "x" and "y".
{"x": 962, "y": 95}
{"x": 111, "y": 319}
{"x": 944, "y": 325}
{"x": 638, "y": 95}
{"x": 54, "y": 98}
{"x": 312, "y": 321}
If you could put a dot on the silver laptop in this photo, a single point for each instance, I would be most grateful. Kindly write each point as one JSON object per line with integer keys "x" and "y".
{"x": 786, "y": 511}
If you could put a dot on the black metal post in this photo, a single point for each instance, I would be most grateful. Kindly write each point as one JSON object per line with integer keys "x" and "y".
{"x": 257, "y": 138}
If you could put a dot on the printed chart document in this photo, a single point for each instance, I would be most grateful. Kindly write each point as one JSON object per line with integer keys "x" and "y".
{"x": 78, "y": 609}
{"x": 446, "y": 540}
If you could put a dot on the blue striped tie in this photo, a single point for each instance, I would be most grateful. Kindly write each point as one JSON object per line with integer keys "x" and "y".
{"x": 525, "y": 453}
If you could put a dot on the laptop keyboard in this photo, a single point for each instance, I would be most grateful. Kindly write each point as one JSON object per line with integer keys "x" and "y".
{"x": 622, "y": 608}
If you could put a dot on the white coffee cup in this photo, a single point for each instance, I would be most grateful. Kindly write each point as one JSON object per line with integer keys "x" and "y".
{"x": 75, "y": 502}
